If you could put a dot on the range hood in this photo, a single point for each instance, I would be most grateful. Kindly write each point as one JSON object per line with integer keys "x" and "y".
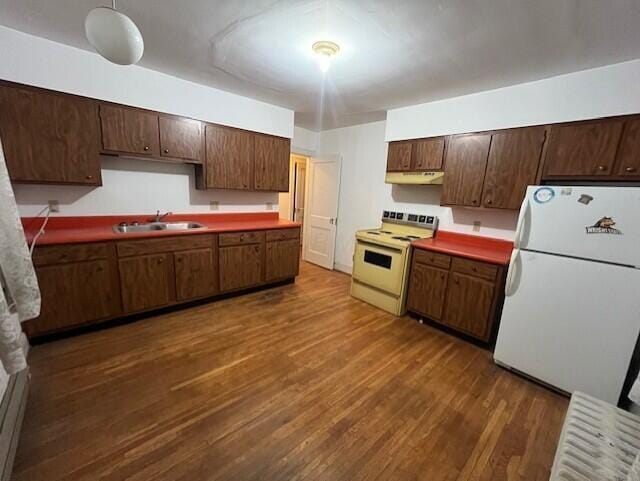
{"x": 415, "y": 178}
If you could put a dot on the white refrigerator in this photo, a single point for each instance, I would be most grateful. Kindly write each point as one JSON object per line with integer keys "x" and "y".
{"x": 571, "y": 315}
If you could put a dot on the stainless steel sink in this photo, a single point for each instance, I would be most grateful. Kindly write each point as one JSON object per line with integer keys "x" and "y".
{"x": 153, "y": 226}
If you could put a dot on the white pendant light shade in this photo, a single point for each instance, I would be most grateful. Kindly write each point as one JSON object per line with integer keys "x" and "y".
{"x": 114, "y": 36}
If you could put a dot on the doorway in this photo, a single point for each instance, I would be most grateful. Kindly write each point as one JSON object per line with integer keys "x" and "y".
{"x": 292, "y": 203}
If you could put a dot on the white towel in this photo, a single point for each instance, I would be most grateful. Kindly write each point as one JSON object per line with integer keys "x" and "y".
{"x": 20, "y": 295}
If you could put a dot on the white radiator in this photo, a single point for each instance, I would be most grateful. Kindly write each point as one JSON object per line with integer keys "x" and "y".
{"x": 599, "y": 442}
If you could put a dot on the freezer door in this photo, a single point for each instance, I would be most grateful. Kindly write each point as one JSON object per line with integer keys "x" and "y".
{"x": 570, "y": 323}
{"x": 600, "y": 223}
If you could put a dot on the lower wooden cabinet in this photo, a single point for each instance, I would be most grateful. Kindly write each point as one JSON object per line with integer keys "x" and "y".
{"x": 462, "y": 294}
{"x": 93, "y": 282}
{"x": 240, "y": 266}
{"x": 196, "y": 273}
{"x": 145, "y": 282}
{"x": 282, "y": 259}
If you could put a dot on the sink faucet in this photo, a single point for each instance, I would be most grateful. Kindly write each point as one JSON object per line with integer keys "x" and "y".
{"x": 158, "y": 217}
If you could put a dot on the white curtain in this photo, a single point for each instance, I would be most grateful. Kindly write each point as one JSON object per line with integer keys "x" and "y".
{"x": 20, "y": 295}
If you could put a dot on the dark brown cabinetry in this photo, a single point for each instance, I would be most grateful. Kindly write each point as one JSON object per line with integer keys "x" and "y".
{"x": 465, "y": 164}
{"x": 282, "y": 259}
{"x": 181, "y": 138}
{"x": 49, "y": 137}
{"x": 144, "y": 282}
{"x": 512, "y": 165}
{"x": 127, "y": 130}
{"x": 240, "y": 266}
{"x": 460, "y": 293}
{"x": 196, "y": 273}
{"x": 416, "y": 155}
{"x": 78, "y": 285}
{"x": 229, "y": 158}
{"x": 582, "y": 149}
{"x": 271, "y": 166}
{"x": 628, "y": 159}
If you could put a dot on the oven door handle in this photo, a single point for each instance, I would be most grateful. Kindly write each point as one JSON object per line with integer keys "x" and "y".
{"x": 380, "y": 246}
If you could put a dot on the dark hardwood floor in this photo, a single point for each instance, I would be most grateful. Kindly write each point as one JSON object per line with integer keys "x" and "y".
{"x": 299, "y": 382}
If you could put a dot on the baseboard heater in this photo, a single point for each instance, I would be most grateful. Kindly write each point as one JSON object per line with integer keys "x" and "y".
{"x": 599, "y": 442}
{"x": 12, "y": 409}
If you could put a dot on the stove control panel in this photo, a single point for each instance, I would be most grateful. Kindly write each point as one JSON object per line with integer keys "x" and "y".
{"x": 418, "y": 220}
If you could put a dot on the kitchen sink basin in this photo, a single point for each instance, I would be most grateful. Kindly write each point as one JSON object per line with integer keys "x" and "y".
{"x": 154, "y": 226}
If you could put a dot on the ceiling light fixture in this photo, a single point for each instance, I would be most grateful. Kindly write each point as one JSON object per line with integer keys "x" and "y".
{"x": 114, "y": 35}
{"x": 325, "y": 50}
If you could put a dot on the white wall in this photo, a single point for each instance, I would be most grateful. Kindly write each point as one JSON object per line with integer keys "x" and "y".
{"x": 364, "y": 195}
{"x": 134, "y": 186}
{"x": 304, "y": 141}
{"x": 599, "y": 92}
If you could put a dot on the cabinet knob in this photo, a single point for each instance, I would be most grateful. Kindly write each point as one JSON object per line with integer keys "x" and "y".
{"x": 146, "y": 147}
{"x": 474, "y": 201}
{"x": 257, "y": 248}
{"x": 241, "y": 237}
{"x": 489, "y": 201}
{"x": 89, "y": 177}
{"x": 630, "y": 169}
{"x": 166, "y": 151}
{"x": 160, "y": 261}
{"x": 602, "y": 167}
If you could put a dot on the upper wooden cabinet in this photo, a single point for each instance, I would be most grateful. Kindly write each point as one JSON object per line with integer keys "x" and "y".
{"x": 513, "y": 163}
{"x": 271, "y": 166}
{"x": 628, "y": 159}
{"x": 399, "y": 156}
{"x": 229, "y": 158}
{"x": 582, "y": 149}
{"x": 428, "y": 154}
{"x": 465, "y": 164}
{"x": 129, "y": 131}
{"x": 181, "y": 138}
{"x": 49, "y": 137}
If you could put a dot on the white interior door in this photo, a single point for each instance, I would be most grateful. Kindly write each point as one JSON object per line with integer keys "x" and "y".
{"x": 321, "y": 210}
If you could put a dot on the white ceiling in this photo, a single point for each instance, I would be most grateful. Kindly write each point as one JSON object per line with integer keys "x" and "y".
{"x": 393, "y": 53}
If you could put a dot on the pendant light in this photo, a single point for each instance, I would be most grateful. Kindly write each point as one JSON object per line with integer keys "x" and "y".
{"x": 114, "y": 35}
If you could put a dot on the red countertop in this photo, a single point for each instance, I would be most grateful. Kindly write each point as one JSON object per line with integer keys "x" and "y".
{"x": 485, "y": 249}
{"x": 69, "y": 230}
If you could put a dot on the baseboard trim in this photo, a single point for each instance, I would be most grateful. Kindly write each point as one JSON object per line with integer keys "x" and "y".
{"x": 12, "y": 410}
{"x": 347, "y": 269}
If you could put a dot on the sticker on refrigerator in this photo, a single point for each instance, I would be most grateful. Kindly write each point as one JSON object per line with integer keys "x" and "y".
{"x": 604, "y": 226}
{"x": 585, "y": 199}
{"x": 543, "y": 195}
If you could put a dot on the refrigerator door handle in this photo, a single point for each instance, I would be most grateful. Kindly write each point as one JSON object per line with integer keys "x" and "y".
{"x": 521, "y": 226}
{"x": 513, "y": 273}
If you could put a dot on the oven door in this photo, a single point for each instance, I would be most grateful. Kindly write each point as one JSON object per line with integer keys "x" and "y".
{"x": 379, "y": 266}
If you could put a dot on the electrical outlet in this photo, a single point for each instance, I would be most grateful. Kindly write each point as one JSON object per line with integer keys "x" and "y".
{"x": 54, "y": 206}
{"x": 269, "y": 205}
{"x": 476, "y": 226}
{"x": 214, "y": 205}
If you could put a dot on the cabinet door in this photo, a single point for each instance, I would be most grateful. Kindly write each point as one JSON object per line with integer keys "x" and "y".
{"x": 272, "y": 163}
{"x": 229, "y": 158}
{"x": 129, "y": 130}
{"x": 427, "y": 288}
{"x": 282, "y": 259}
{"x": 399, "y": 156}
{"x": 240, "y": 266}
{"x": 428, "y": 154}
{"x": 49, "y": 137}
{"x": 196, "y": 274}
{"x": 628, "y": 161}
{"x": 468, "y": 306}
{"x": 73, "y": 294}
{"x": 584, "y": 149}
{"x": 465, "y": 164}
{"x": 144, "y": 282}
{"x": 513, "y": 162}
{"x": 181, "y": 138}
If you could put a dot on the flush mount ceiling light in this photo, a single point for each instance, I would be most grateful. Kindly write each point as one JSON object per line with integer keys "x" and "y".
{"x": 114, "y": 35}
{"x": 324, "y": 51}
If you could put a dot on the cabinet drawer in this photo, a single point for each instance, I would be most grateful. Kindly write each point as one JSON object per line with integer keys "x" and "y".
{"x": 474, "y": 268}
{"x": 283, "y": 234}
{"x": 164, "y": 244}
{"x": 69, "y": 253}
{"x": 431, "y": 258}
{"x": 240, "y": 238}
